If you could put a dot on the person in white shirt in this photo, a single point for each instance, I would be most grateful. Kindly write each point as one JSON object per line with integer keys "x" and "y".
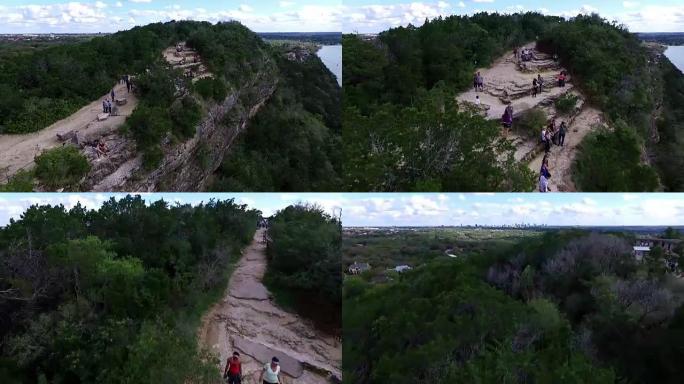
{"x": 269, "y": 375}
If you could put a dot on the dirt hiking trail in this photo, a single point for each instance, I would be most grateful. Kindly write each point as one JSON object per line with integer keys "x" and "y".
{"x": 509, "y": 82}
{"x": 18, "y": 151}
{"x": 248, "y": 321}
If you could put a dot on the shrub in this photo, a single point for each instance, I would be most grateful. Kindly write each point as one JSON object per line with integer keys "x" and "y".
{"x": 61, "y": 167}
{"x": 152, "y": 157}
{"x": 21, "y": 181}
{"x": 185, "y": 114}
{"x": 611, "y": 161}
{"x": 531, "y": 122}
{"x": 566, "y": 104}
{"x": 214, "y": 88}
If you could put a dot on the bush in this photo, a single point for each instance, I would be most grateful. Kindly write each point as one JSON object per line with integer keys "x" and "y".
{"x": 185, "y": 114}
{"x": 22, "y": 181}
{"x": 61, "y": 167}
{"x": 611, "y": 161}
{"x": 148, "y": 125}
{"x": 566, "y": 104}
{"x": 531, "y": 122}
{"x": 152, "y": 157}
{"x": 214, "y": 88}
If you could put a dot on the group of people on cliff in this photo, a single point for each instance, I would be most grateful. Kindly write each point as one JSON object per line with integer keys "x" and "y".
{"x": 550, "y": 135}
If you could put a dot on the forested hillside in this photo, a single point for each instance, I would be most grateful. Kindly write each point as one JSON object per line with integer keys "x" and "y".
{"x": 114, "y": 295}
{"x": 304, "y": 266}
{"x": 565, "y": 307}
{"x": 399, "y": 136}
{"x": 294, "y": 143}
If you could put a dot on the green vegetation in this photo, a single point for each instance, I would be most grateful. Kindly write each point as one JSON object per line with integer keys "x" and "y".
{"x": 609, "y": 161}
{"x": 531, "y": 122}
{"x": 669, "y": 151}
{"x": 564, "y": 307}
{"x": 394, "y": 74}
{"x": 21, "y": 181}
{"x": 566, "y": 104}
{"x": 293, "y": 143}
{"x": 304, "y": 271}
{"x": 116, "y": 294}
{"x": 61, "y": 167}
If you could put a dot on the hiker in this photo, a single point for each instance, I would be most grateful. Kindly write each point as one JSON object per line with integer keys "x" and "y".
{"x": 101, "y": 148}
{"x": 109, "y": 106}
{"x": 477, "y": 100}
{"x": 544, "y": 176}
{"x": 561, "y": 133}
{"x": 561, "y": 79}
{"x": 269, "y": 375}
{"x": 555, "y": 57}
{"x": 507, "y": 119}
{"x": 128, "y": 84}
{"x": 104, "y": 106}
{"x": 233, "y": 371}
{"x": 551, "y": 130}
{"x": 515, "y": 53}
{"x": 112, "y": 94}
{"x": 475, "y": 83}
{"x": 480, "y": 82}
{"x": 534, "y": 87}
{"x": 540, "y": 83}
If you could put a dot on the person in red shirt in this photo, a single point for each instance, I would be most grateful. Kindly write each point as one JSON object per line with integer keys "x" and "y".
{"x": 233, "y": 371}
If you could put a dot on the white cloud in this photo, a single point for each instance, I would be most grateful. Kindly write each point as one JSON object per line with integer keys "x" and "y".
{"x": 286, "y": 4}
{"x": 140, "y": 1}
{"x": 119, "y": 4}
{"x": 461, "y": 4}
{"x": 99, "y": 4}
{"x": 483, "y": 1}
{"x": 245, "y": 8}
{"x": 630, "y": 4}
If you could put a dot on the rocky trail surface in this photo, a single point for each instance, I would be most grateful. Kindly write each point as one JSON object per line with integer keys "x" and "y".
{"x": 248, "y": 321}
{"x": 509, "y": 82}
{"x": 17, "y": 151}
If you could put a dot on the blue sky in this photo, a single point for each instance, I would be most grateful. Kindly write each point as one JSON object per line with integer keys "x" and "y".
{"x": 62, "y": 16}
{"x": 367, "y": 16}
{"x": 422, "y": 209}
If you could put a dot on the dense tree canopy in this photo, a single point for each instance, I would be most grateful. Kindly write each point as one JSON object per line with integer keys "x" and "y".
{"x": 564, "y": 307}
{"x": 304, "y": 252}
{"x": 114, "y": 295}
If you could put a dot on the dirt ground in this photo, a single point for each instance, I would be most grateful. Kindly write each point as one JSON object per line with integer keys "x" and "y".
{"x": 248, "y": 321}
{"x": 18, "y": 151}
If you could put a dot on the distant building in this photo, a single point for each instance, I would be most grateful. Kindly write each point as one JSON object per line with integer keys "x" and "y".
{"x": 644, "y": 245}
{"x": 358, "y": 268}
{"x": 641, "y": 251}
{"x": 402, "y": 268}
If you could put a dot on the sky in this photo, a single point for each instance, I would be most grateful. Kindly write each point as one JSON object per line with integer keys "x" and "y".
{"x": 371, "y": 16}
{"x": 420, "y": 209}
{"x": 86, "y": 16}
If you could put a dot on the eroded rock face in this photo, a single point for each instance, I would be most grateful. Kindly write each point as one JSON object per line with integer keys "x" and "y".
{"x": 186, "y": 166}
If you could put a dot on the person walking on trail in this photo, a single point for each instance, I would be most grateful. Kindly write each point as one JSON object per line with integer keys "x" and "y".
{"x": 128, "y": 83}
{"x": 507, "y": 119}
{"x": 480, "y": 82}
{"x": 104, "y": 106}
{"x": 561, "y": 133}
{"x": 534, "y": 87}
{"x": 233, "y": 371}
{"x": 544, "y": 176}
{"x": 475, "y": 83}
{"x": 561, "y": 79}
{"x": 540, "y": 83}
{"x": 112, "y": 94}
{"x": 269, "y": 375}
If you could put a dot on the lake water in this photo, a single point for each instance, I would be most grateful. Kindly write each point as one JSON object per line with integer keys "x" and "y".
{"x": 676, "y": 56}
{"x": 331, "y": 56}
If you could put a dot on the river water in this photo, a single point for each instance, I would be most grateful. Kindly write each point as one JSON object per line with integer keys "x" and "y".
{"x": 331, "y": 56}
{"x": 676, "y": 56}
